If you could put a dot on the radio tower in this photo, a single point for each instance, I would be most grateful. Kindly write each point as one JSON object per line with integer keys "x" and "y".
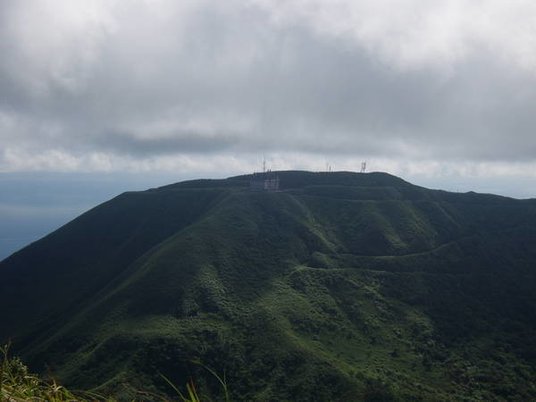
{"x": 363, "y": 167}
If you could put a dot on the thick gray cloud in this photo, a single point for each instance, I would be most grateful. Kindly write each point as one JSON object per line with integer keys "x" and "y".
{"x": 121, "y": 85}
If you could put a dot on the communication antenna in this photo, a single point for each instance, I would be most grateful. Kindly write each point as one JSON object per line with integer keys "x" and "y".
{"x": 363, "y": 167}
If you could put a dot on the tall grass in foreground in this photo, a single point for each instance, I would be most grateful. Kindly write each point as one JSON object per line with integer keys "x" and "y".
{"x": 17, "y": 384}
{"x": 191, "y": 391}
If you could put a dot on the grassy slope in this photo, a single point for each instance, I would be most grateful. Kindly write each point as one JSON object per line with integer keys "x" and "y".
{"x": 343, "y": 286}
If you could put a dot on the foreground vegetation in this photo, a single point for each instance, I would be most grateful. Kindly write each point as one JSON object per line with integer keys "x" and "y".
{"x": 17, "y": 384}
{"x": 340, "y": 287}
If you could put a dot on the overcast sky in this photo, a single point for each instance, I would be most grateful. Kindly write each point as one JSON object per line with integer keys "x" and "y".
{"x": 438, "y": 91}
{"x": 410, "y": 85}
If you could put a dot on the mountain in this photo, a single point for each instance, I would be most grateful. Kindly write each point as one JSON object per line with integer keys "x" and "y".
{"x": 340, "y": 286}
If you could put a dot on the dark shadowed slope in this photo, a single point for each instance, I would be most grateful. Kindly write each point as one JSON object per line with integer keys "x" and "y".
{"x": 341, "y": 286}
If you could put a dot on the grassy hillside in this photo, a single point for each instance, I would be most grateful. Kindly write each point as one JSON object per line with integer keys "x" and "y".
{"x": 342, "y": 286}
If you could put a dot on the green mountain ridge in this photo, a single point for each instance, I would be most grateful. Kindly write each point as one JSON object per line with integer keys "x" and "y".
{"x": 341, "y": 286}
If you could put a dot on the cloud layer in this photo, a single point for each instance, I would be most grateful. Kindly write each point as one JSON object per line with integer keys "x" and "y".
{"x": 160, "y": 84}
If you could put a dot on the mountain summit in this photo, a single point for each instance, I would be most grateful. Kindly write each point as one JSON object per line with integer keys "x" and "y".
{"x": 332, "y": 286}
